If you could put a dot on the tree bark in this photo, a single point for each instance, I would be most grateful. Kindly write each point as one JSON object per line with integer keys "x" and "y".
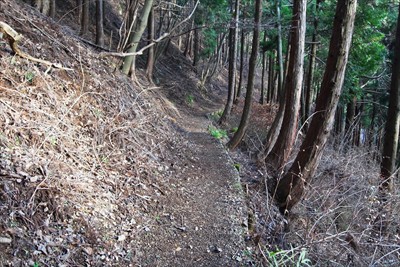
{"x": 309, "y": 95}
{"x": 129, "y": 61}
{"x": 263, "y": 72}
{"x": 150, "y": 51}
{"x": 271, "y": 87}
{"x": 238, "y": 136}
{"x": 85, "y": 17}
{"x": 53, "y": 8}
{"x": 233, "y": 34}
{"x": 242, "y": 63}
{"x": 291, "y": 186}
{"x": 293, "y": 85}
{"x": 390, "y": 144}
{"x": 280, "y": 56}
{"x": 196, "y": 46}
{"x": 99, "y": 23}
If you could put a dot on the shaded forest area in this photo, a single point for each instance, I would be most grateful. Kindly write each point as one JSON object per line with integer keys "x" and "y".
{"x": 100, "y": 101}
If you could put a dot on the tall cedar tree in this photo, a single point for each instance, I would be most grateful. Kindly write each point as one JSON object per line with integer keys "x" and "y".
{"x": 99, "y": 23}
{"x": 293, "y": 85}
{"x": 291, "y": 186}
{"x": 233, "y": 36}
{"x": 85, "y": 17}
{"x": 309, "y": 92}
{"x": 235, "y": 140}
{"x": 389, "y": 153}
{"x": 273, "y": 132}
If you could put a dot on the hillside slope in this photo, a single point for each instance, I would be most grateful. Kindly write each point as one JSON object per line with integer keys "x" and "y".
{"x": 89, "y": 161}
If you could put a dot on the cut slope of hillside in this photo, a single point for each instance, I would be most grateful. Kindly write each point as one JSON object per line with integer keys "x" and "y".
{"x": 87, "y": 157}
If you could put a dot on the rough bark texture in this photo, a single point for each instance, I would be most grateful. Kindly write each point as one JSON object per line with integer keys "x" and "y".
{"x": 233, "y": 36}
{"x": 196, "y": 46}
{"x": 129, "y": 61}
{"x": 280, "y": 56}
{"x": 85, "y": 17}
{"x": 53, "y": 8}
{"x": 291, "y": 186}
{"x": 242, "y": 45}
{"x": 309, "y": 95}
{"x": 263, "y": 72}
{"x": 234, "y": 142}
{"x": 150, "y": 52}
{"x": 99, "y": 23}
{"x": 293, "y": 85}
{"x": 393, "y": 120}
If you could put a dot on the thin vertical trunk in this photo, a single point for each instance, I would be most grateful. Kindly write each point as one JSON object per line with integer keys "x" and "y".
{"x": 293, "y": 85}
{"x": 188, "y": 44}
{"x": 389, "y": 153}
{"x": 235, "y": 140}
{"x": 263, "y": 72}
{"x": 242, "y": 63}
{"x": 280, "y": 56}
{"x": 309, "y": 92}
{"x": 85, "y": 17}
{"x": 196, "y": 46}
{"x": 350, "y": 119}
{"x": 53, "y": 8}
{"x": 79, "y": 9}
{"x": 275, "y": 128}
{"x": 150, "y": 51}
{"x": 271, "y": 74}
{"x": 291, "y": 186}
{"x": 129, "y": 61}
{"x": 233, "y": 33}
{"x": 99, "y": 23}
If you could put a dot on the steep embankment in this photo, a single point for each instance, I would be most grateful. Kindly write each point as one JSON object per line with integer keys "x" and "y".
{"x": 95, "y": 170}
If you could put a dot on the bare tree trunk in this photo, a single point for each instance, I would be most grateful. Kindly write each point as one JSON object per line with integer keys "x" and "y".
{"x": 242, "y": 63}
{"x": 53, "y": 8}
{"x": 389, "y": 153}
{"x": 238, "y": 136}
{"x": 85, "y": 17}
{"x": 309, "y": 95}
{"x": 99, "y": 23}
{"x": 233, "y": 34}
{"x": 293, "y": 85}
{"x": 150, "y": 52}
{"x": 263, "y": 72}
{"x": 280, "y": 56}
{"x": 291, "y": 186}
{"x": 196, "y": 46}
{"x": 129, "y": 61}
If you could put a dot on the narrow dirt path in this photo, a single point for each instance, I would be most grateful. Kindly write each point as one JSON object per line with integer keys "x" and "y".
{"x": 201, "y": 222}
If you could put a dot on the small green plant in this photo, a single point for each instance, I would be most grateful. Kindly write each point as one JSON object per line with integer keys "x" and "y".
{"x": 238, "y": 186}
{"x": 217, "y": 133}
{"x": 290, "y": 257}
{"x": 104, "y": 159}
{"x": 53, "y": 140}
{"x": 190, "y": 99}
{"x": 237, "y": 166}
{"x": 97, "y": 113}
{"x": 36, "y": 264}
{"x": 29, "y": 76}
{"x": 234, "y": 129}
{"x": 216, "y": 115}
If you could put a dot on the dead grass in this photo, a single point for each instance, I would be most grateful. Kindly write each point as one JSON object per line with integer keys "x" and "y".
{"x": 80, "y": 153}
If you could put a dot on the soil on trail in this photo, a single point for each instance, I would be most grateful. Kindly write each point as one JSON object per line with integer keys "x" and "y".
{"x": 202, "y": 222}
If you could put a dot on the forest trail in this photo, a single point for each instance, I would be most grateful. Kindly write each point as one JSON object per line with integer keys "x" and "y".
{"x": 201, "y": 222}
